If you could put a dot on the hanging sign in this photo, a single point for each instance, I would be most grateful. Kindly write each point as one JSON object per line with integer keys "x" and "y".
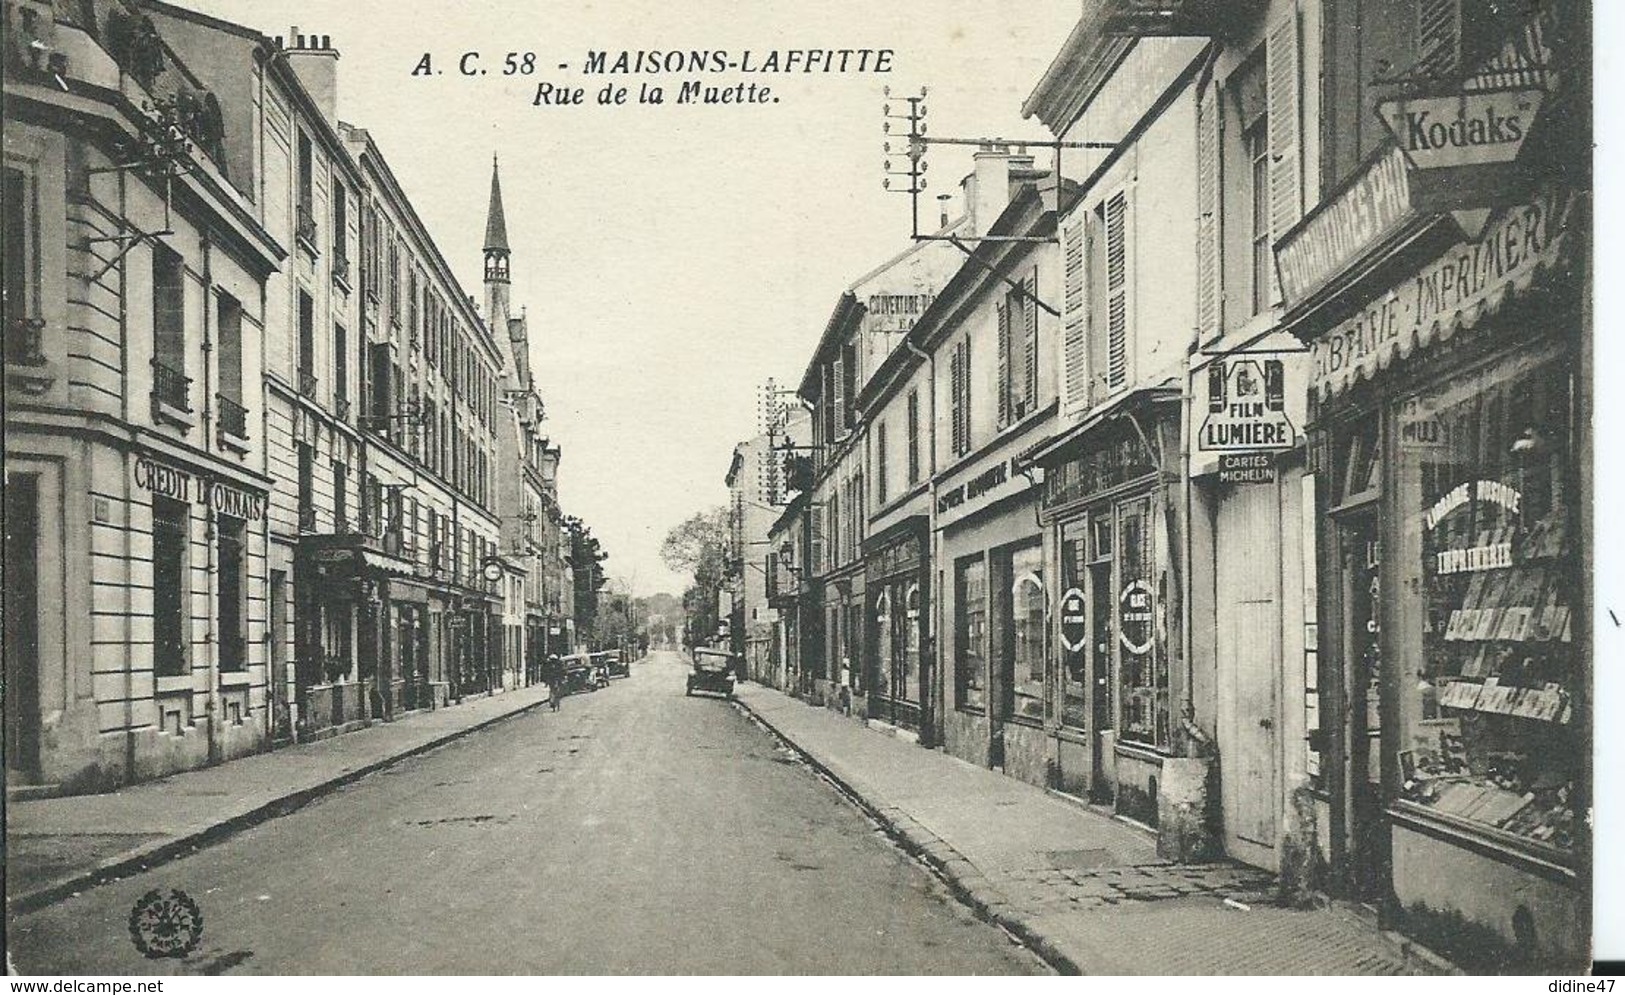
{"x": 1074, "y": 620}
{"x": 1247, "y": 468}
{"x": 1349, "y": 223}
{"x": 1246, "y": 405}
{"x": 1134, "y": 617}
{"x": 1477, "y": 128}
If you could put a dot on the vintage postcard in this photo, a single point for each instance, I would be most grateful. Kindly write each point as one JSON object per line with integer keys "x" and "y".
{"x": 719, "y": 488}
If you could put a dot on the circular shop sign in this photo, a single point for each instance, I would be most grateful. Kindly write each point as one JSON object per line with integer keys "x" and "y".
{"x": 1134, "y": 617}
{"x": 1074, "y": 621}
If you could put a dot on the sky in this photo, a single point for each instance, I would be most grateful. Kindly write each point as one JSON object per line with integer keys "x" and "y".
{"x": 671, "y": 258}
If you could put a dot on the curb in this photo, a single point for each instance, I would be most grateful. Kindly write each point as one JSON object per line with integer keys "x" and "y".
{"x": 963, "y": 880}
{"x": 147, "y": 857}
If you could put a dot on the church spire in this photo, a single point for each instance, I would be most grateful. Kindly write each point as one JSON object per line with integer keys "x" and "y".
{"x": 496, "y": 232}
{"x": 496, "y": 225}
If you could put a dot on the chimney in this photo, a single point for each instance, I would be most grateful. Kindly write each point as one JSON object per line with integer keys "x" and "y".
{"x": 987, "y": 188}
{"x": 316, "y": 63}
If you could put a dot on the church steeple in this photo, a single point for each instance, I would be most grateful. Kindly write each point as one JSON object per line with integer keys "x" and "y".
{"x": 496, "y": 232}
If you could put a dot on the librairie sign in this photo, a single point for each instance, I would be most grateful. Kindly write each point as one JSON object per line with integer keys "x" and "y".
{"x": 1473, "y": 128}
{"x": 1454, "y": 290}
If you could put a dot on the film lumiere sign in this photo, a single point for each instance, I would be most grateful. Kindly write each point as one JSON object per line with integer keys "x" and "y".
{"x": 184, "y": 485}
{"x": 1247, "y": 417}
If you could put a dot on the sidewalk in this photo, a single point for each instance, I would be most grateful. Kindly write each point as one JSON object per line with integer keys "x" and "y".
{"x": 58, "y": 846}
{"x": 1086, "y": 891}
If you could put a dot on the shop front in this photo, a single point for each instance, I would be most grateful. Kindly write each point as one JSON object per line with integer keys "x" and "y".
{"x": 1448, "y": 440}
{"x": 358, "y": 621}
{"x": 995, "y": 597}
{"x": 1109, "y": 517}
{"x": 897, "y": 578}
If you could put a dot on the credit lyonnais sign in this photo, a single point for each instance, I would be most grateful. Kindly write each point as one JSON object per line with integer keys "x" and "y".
{"x": 1450, "y": 291}
{"x": 183, "y": 485}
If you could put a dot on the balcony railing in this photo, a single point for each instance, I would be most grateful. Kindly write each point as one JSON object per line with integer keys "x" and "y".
{"x": 304, "y": 226}
{"x": 341, "y": 268}
{"x": 341, "y": 408}
{"x": 233, "y": 416}
{"x": 307, "y": 383}
{"x": 307, "y": 518}
{"x": 25, "y": 341}
{"x": 171, "y": 386}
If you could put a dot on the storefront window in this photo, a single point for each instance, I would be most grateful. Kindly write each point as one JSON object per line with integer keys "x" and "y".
{"x": 1072, "y": 625}
{"x": 970, "y": 663}
{"x": 1488, "y": 565}
{"x": 883, "y": 643}
{"x": 907, "y": 687}
{"x": 1021, "y": 624}
{"x": 1143, "y": 667}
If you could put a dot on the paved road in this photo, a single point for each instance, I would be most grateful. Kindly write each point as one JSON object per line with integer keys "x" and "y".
{"x": 636, "y": 831}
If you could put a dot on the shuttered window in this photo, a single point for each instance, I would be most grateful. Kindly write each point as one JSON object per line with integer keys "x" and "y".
{"x": 815, "y": 540}
{"x": 913, "y": 437}
{"x": 1209, "y": 253}
{"x": 1003, "y": 309}
{"x": 1074, "y": 316}
{"x": 880, "y": 462}
{"x": 838, "y": 410}
{"x": 849, "y": 383}
{"x": 1116, "y": 291}
{"x": 959, "y": 401}
{"x": 1438, "y": 37}
{"x": 1029, "y": 352}
{"x": 1285, "y": 143}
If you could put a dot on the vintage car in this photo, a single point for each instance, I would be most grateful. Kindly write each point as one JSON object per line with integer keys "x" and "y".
{"x": 713, "y": 672}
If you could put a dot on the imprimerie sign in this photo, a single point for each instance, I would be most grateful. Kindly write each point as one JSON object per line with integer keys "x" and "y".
{"x": 183, "y": 485}
{"x": 1374, "y": 204}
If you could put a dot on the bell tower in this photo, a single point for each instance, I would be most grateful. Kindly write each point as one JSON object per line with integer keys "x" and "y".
{"x": 496, "y": 254}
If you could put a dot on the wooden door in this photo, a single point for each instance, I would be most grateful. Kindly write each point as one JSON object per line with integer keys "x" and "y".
{"x": 1247, "y": 606}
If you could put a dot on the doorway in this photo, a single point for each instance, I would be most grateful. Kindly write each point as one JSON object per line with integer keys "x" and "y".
{"x": 1101, "y": 673}
{"x": 1360, "y": 561}
{"x": 22, "y": 629}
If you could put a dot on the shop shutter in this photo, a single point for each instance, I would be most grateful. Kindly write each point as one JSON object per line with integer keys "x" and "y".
{"x": 1117, "y": 291}
{"x": 1438, "y": 37}
{"x": 1003, "y": 308}
{"x": 1074, "y": 316}
{"x": 1029, "y": 352}
{"x": 1283, "y": 85}
{"x": 1209, "y": 278}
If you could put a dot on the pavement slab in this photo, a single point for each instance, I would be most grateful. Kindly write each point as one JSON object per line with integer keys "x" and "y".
{"x": 1085, "y": 890}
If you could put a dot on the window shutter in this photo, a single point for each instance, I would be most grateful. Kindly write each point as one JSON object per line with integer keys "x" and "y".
{"x": 838, "y": 376}
{"x": 1208, "y": 259}
{"x": 1003, "y": 309}
{"x": 1438, "y": 37}
{"x": 1286, "y": 174}
{"x": 913, "y": 437}
{"x": 1074, "y": 316}
{"x": 1029, "y": 353}
{"x": 964, "y": 397}
{"x": 880, "y": 462}
{"x": 1116, "y": 291}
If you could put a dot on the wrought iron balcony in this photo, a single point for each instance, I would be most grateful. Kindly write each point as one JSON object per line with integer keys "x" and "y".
{"x": 341, "y": 268}
{"x": 341, "y": 408}
{"x": 171, "y": 386}
{"x": 25, "y": 341}
{"x": 307, "y": 383}
{"x": 233, "y": 416}
{"x": 304, "y": 226}
{"x": 307, "y": 518}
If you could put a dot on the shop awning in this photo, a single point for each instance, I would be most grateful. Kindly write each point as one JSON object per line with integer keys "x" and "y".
{"x": 1521, "y": 249}
{"x": 384, "y": 563}
{"x": 1137, "y": 399}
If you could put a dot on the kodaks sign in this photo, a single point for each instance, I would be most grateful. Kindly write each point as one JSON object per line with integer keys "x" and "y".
{"x": 1474, "y": 128}
{"x": 182, "y": 485}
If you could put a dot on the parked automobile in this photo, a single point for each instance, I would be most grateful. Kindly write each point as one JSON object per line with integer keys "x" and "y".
{"x": 713, "y": 672}
{"x": 615, "y": 663}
